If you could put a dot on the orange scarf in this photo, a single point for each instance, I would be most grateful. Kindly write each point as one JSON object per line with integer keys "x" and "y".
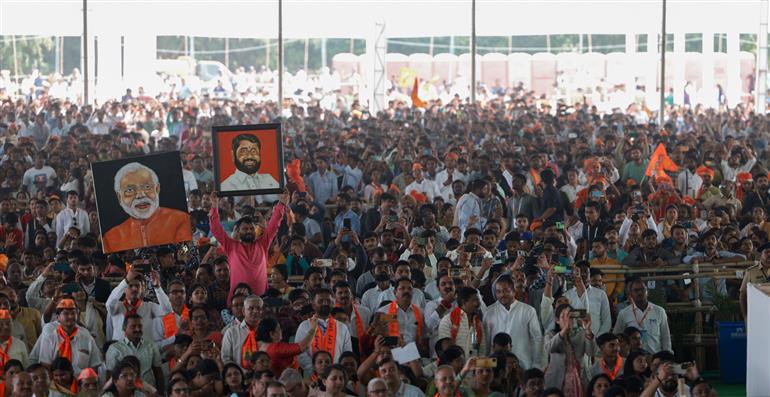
{"x": 132, "y": 308}
{"x": 74, "y": 385}
{"x": 170, "y": 327}
{"x": 360, "y": 331}
{"x": 456, "y": 316}
{"x": 393, "y": 328}
{"x": 328, "y": 341}
{"x": 250, "y": 346}
{"x": 4, "y": 357}
{"x": 65, "y": 348}
{"x": 615, "y": 370}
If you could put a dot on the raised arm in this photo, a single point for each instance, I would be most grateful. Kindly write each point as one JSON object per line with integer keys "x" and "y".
{"x": 275, "y": 220}
{"x": 216, "y": 227}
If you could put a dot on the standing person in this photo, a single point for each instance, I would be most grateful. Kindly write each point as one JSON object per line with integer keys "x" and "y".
{"x": 648, "y": 317}
{"x": 517, "y": 319}
{"x": 759, "y": 273}
{"x": 567, "y": 348}
{"x": 464, "y": 325}
{"x": 468, "y": 210}
{"x": 71, "y": 217}
{"x": 248, "y": 254}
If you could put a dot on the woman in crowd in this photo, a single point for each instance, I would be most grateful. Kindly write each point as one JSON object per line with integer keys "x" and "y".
{"x": 598, "y": 386}
{"x": 233, "y": 377}
{"x": 567, "y": 345}
{"x": 636, "y": 365}
{"x": 282, "y": 354}
{"x": 321, "y": 361}
{"x": 123, "y": 381}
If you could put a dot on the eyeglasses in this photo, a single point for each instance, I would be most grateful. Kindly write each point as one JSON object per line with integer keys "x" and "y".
{"x": 131, "y": 190}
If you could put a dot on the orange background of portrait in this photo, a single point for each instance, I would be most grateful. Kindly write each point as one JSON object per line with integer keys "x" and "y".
{"x": 268, "y": 153}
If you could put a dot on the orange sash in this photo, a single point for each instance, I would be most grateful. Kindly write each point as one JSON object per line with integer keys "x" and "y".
{"x": 74, "y": 385}
{"x": 456, "y": 316}
{"x": 328, "y": 341}
{"x": 249, "y": 347}
{"x": 132, "y": 308}
{"x": 169, "y": 322}
{"x": 393, "y": 328}
{"x": 360, "y": 331}
{"x": 4, "y": 357}
{"x": 65, "y": 348}
{"x": 614, "y": 373}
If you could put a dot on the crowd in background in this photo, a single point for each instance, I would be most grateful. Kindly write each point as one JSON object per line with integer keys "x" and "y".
{"x": 453, "y": 249}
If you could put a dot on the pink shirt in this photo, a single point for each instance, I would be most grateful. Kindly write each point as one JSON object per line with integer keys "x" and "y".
{"x": 248, "y": 262}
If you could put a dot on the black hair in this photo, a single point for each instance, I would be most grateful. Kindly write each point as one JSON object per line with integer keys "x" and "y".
{"x": 502, "y": 339}
{"x": 606, "y": 337}
{"x": 464, "y": 294}
{"x": 532, "y": 373}
{"x": 265, "y": 328}
{"x": 245, "y": 137}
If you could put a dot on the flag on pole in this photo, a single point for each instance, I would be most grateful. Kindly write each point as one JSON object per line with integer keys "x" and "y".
{"x": 660, "y": 162}
{"x": 416, "y": 101}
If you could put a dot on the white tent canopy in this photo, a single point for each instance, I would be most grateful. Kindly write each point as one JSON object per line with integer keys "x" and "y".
{"x": 356, "y": 18}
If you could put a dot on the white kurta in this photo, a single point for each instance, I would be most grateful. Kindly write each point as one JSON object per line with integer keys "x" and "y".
{"x": 147, "y": 310}
{"x": 597, "y": 304}
{"x": 407, "y": 323}
{"x": 521, "y": 323}
{"x": 343, "y": 343}
{"x": 85, "y": 352}
{"x": 653, "y": 322}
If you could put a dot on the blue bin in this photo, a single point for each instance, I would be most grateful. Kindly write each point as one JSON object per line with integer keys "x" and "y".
{"x": 732, "y": 352}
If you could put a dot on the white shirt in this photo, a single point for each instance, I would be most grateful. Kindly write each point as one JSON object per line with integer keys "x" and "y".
{"x": 343, "y": 343}
{"x": 653, "y": 322}
{"x": 374, "y": 296}
{"x": 243, "y": 181}
{"x": 464, "y": 336}
{"x": 467, "y": 206}
{"x": 596, "y": 303}
{"x": 232, "y": 342}
{"x": 36, "y": 179}
{"x": 85, "y": 352}
{"x": 521, "y": 323}
{"x": 68, "y": 218}
{"x": 426, "y": 187}
{"x": 407, "y": 323}
{"x": 148, "y": 310}
{"x": 688, "y": 183}
{"x": 189, "y": 180}
{"x": 366, "y": 318}
{"x": 446, "y": 190}
{"x": 729, "y": 173}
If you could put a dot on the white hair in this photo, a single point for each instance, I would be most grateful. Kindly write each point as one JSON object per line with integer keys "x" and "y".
{"x": 133, "y": 167}
{"x": 373, "y": 383}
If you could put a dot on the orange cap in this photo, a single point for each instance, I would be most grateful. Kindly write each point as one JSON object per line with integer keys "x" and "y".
{"x": 87, "y": 373}
{"x": 452, "y": 156}
{"x": 703, "y": 170}
{"x": 744, "y": 177}
{"x": 66, "y": 304}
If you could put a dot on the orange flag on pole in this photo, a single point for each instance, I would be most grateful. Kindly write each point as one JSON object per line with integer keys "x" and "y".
{"x": 416, "y": 101}
{"x": 660, "y": 162}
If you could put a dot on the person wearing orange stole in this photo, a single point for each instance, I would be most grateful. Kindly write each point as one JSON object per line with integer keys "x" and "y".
{"x": 178, "y": 319}
{"x": 359, "y": 315}
{"x": 10, "y": 348}
{"x": 67, "y": 340}
{"x": 234, "y": 349}
{"x": 446, "y": 383}
{"x": 134, "y": 287}
{"x": 407, "y": 321}
{"x": 64, "y": 382}
{"x": 610, "y": 363}
{"x": 463, "y": 324}
{"x": 330, "y": 335}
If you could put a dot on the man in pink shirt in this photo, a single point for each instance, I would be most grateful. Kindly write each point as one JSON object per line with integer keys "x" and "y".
{"x": 248, "y": 254}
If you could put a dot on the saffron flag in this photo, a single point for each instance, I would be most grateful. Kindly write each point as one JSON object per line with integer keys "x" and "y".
{"x": 416, "y": 101}
{"x": 660, "y": 162}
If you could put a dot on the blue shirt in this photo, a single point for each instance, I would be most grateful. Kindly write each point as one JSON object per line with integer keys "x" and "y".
{"x": 323, "y": 186}
{"x": 355, "y": 222}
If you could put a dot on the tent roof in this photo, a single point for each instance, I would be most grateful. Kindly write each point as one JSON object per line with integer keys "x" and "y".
{"x": 356, "y": 18}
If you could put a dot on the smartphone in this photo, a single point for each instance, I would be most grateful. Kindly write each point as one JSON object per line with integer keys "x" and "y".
{"x": 391, "y": 341}
{"x": 559, "y": 226}
{"x": 521, "y": 253}
{"x": 296, "y": 280}
{"x": 421, "y": 241}
{"x": 562, "y": 270}
{"x": 302, "y": 194}
{"x": 577, "y": 313}
{"x": 143, "y": 268}
{"x": 346, "y": 223}
{"x": 456, "y": 273}
{"x": 470, "y": 248}
{"x": 486, "y": 362}
{"x": 392, "y": 218}
{"x": 680, "y": 369}
{"x": 387, "y": 317}
{"x": 596, "y": 194}
{"x": 325, "y": 262}
{"x": 572, "y": 135}
{"x": 62, "y": 267}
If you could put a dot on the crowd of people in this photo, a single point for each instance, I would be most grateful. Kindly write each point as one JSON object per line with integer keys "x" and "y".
{"x": 451, "y": 250}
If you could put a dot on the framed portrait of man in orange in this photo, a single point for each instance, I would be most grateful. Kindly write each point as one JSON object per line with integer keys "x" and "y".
{"x": 141, "y": 202}
{"x": 248, "y": 159}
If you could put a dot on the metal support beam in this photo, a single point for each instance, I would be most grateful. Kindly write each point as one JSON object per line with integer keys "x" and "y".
{"x": 760, "y": 88}
{"x": 280, "y": 56}
{"x": 662, "y": 111}
{"x": 376, "y": 48}
{"x": 85, "y": 52}
{"x": 473, "y": 51}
